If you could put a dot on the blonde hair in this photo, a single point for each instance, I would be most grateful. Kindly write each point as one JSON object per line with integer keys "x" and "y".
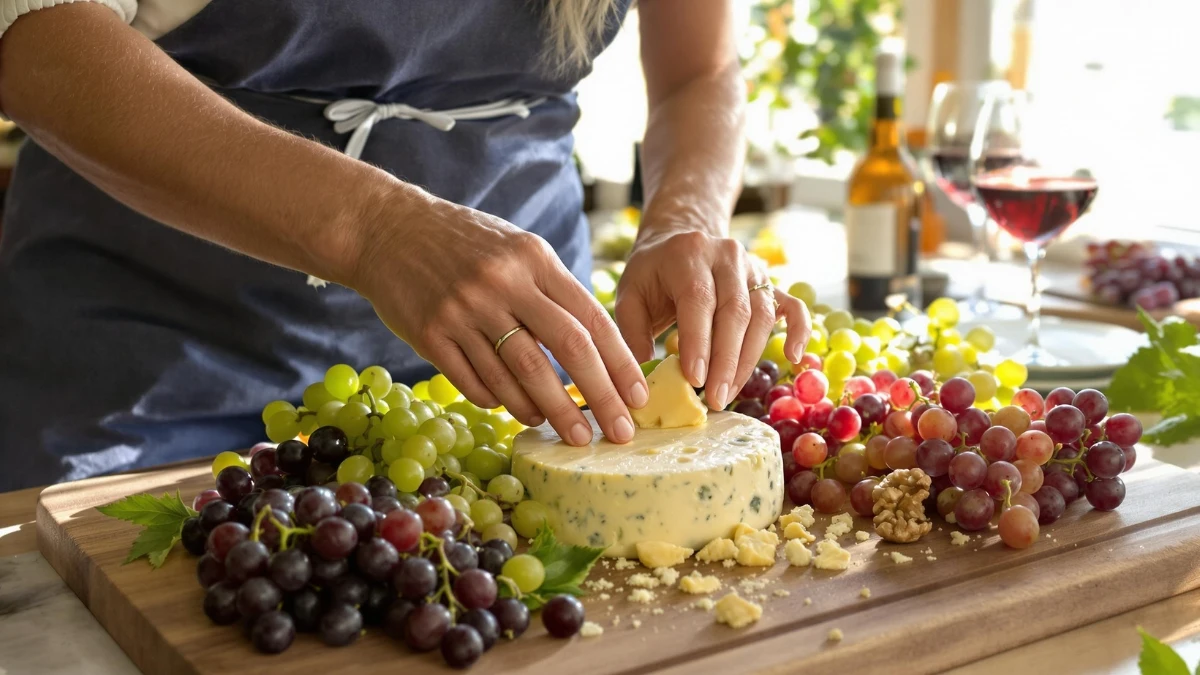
{"x": 574, "y": 28}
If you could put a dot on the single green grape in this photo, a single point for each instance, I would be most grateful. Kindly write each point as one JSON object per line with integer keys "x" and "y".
{"x": 818, "y": 342}
{"x": 448, "y": 463}
{"x": 969, "y": 353}
{"x": 420, "y": 449}
{"x": 471, "y": 478}
{"x": 804, "y": 291}
{"x": 378, "y": 379}
{"x": 283, "y": 426}
{"x": 982, "y": 338}
{"x": 341, "y": 381}
{"x": 897, "y": 362}
{"x": 503, "y": 532}
{"x": 390, "y": 451}
{"x": 327, "y": 414}
{"x": 526, "y": 571}
{"x": 440, "y": 432}
{"x": 398, "y": 396}
{"x": 950, "y": 336}
{"x": 943, "y": 311}
{"x": 505, "y": 463}
{"x": 454, "y": 419}
{"x": 985, "y": 385}
{"x": 835, "y": 389}
{"x": 869, "y": 350}
{"x": 515, "y": 426}
{"x": 528, "y": 517}
{"x": 461, "y": 505}
{"x": 774, "y": 350}
{"x": 441, "y": 390}
{"x": 503, "y": 448}
{"x": 382, "y": 407}
{"x": 885, "y": 328}
{"x": 861, "y": 326}
{"x": 508, "y": 489}
{"x": 1011, "y": 373}
{"x": 838, "y": 319}
{"x": 464, "y": 442}
{"x": 355, "y": 469}
{"x": 227, "y": 459}
{"x": 822, "y": 309}
{"x": 375, "y": 430}
{"x": 352, "y": 419}
{"x": 466, "y": 493}
{"x": 420, "y": 390}
{"x": 485, "y": 463}
{"x": 845, "y": 340}
{"x": 499, "y": 422}
{"x": 1004, "y": 395}
{"x": 948, "y": 361}
{"x": 840, "y": 365}
{"x": 422, "y": 410}
{"x": 407, "y": 474}
{"x": 435, "y": 408}
{"x": 316, "y": 395}
{"x": 484, "y": 434}
{"x": 471, "y": 412}
{"x": 400, "y": 423}
{"x": 485, "y": 513}
{"x": 432, "y": 471}
{"x": 274, "y": 407}
{"x": 308, "y": 424}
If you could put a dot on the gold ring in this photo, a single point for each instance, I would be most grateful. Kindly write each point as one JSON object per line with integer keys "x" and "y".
{"x": 762, "y": 287}
{"x": 518, "y": 329}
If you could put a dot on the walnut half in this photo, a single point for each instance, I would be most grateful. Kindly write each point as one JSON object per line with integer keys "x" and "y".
{"x": 899, "y": 506}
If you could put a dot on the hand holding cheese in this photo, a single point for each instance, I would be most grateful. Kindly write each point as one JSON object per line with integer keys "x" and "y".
{"x": 672, "y": 402}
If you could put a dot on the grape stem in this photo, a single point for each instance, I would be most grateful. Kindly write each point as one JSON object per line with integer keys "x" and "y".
{"x": 820, "y": 468}
{"x": 512, "y": 586}
{"x": 285, "y": 532}
{"x": 432, "y": 543}
{"x": 1007, "y": 493}
{"x": 467, "y": 483}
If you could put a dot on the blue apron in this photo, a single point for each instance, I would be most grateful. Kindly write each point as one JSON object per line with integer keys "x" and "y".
{"x": 125, "y": 343}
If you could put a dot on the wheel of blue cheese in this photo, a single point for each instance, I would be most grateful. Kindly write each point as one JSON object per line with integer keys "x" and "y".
{"x": 686, "y": 486}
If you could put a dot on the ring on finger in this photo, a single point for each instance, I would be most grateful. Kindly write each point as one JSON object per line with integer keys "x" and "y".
{"x": 499, "y": 343}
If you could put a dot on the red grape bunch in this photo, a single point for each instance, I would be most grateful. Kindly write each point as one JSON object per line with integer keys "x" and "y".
{"x": 1135, "y": 274}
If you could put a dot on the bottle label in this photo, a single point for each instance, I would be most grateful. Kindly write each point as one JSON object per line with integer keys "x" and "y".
{"x": 871, "y": 240}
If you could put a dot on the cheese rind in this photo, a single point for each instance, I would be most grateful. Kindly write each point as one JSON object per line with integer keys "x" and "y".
{"x": 684, "y": 486}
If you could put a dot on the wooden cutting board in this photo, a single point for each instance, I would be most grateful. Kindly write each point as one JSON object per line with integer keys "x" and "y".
{"x": 950, "y": 606}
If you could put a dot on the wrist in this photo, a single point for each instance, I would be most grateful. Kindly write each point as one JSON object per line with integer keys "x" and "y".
{"x": 371, "y": 218}
{"x": 662, "y": 223}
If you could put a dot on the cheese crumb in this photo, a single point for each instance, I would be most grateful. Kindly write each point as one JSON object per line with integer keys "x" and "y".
{"x": 705, "y": 604}
{"x": 641, "y": 596}
{"x": 841, "y": 524}
{"x": 864, "y": 593}
{"x": 729, "y": 563}
{"x": 661, "y": 554}
{"x": 736, "y": 611}
{"x": 598, "y": 585}
{"x": 656, "y": 611}
{"x": 616, "y": 621}
{"x": 862, "y": 535}
{"x": 800, "y": 514}
{"x": 958, "y": 538}
{"x": 604, "y": 596}
{"x": 591, "y": 629}
{"x": 798, "y": 531}
{"x": 780, "y": 593}
{"x": 757, "y": 549}
{"x": 697, "y": 584}
{"x": 623, "y": 564}
{"x": 637, "y": 623}
{"x": 931, "y": 558}
{"x": 740, "y": 530}
{"x": 807, "y": 601}
{"x": 643, "y": 581}
{"x": 835, "y": 635}
{"x": 899, "y": 558}
{"x": 831, "y": 556}
{"x": 797, "y": 553}
{"x": 667, "y": 575}
{"x": 750, "y": 585}
{"x": 717, "y": 549}
{"x": 771, "y": 527}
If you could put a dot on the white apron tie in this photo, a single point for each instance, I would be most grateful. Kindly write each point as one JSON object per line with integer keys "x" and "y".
{"x": 358, "y": 116}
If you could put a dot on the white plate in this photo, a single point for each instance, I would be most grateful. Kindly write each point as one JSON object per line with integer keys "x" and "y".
{"x": 1089, "y": 350}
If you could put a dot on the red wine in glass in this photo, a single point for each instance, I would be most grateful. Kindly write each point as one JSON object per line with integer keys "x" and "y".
{"x": 952, "y": 168}
{"x": 1035, "y": 209}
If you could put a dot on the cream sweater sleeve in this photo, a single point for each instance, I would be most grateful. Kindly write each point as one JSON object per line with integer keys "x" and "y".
{"x": 10, "y": 10}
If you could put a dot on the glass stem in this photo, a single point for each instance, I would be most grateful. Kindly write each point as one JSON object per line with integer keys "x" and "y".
{"x": 1033, "y": 308}
{"x": 977, "y": 216}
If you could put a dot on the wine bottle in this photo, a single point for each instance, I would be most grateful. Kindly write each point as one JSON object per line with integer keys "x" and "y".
{"x": 883, "y": 209}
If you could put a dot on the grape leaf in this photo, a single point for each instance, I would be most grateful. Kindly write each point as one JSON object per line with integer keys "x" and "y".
{"x": 1162, "y": 378}
{"x": 147, "y": 510}
{"x": 162, "y": 520}
{"x": 566, "y": 567}
{"x": 1173, "y": 430}
{"x": 1159, "y": 659}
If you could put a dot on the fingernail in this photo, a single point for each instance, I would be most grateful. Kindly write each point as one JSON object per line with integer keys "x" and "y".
{"x": 581, "y": 434}
{"x": 722, "y": 395}
{"x": 700, "y": 371}
{"x": 639, "y": 395}
{"x": 622, "y": 430}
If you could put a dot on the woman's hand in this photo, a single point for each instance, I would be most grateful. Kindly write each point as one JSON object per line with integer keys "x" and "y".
{"x": 451, "y": 281}
{"x": 702, "y": 283}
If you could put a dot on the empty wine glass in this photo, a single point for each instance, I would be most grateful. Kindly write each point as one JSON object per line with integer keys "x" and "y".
{"x": 953, "y": 113}
{"x": 1031, "y": 186}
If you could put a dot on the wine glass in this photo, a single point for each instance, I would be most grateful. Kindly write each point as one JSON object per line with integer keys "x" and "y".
{"x": 1030, "y": 187}
{"x": 953, "y": 114}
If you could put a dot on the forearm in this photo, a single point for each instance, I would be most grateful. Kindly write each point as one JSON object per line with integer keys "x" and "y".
{"x": 120, "y": 112}
{"x": 693, "y": 153}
